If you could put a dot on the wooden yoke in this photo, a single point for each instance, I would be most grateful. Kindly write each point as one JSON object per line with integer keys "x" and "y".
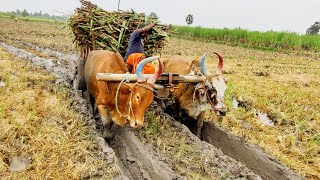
{"x": 164, "y": 79}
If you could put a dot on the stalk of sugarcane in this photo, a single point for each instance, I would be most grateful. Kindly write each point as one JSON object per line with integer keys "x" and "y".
{"x": 94, "y": 28}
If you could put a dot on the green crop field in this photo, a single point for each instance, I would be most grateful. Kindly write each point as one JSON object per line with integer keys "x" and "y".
{"x": 254, "y": 39}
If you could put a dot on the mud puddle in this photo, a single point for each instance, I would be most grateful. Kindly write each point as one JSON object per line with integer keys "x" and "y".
{"x": 262, "y": 116}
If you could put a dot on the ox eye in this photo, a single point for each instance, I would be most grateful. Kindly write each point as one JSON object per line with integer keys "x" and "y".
{"x": 138, "y": 97}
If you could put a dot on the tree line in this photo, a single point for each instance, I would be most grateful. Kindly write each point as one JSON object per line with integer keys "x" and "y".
{"x": 40, "y": 14}
{"x": 314, "y": 29}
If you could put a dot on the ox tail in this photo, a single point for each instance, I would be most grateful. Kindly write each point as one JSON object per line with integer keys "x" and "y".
{"x": 84, "y": 52}
{"x": 79, "y": 78}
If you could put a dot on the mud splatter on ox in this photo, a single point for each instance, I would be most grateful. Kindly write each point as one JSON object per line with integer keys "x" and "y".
{"x": 118, "y": 102}
{"x": 198, "y": 98}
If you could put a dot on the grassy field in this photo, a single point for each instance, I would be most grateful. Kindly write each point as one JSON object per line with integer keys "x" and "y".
{"x": 285, "y": 85}
{"x": 37, "y": 125}
{"x": 252, "y": 39}
{"x": 41, "y": 33}
{"x": 36, "y": 19}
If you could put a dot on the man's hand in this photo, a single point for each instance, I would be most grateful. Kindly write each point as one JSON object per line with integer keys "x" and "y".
{"x": 147, "y": 28}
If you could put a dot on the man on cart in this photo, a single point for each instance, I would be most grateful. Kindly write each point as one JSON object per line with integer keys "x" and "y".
{"x": 135, "y": 52}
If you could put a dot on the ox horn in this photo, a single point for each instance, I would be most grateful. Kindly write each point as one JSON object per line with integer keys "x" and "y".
{"x": 141, "y": 65}
{"x": 153, "y": 79}
{"x": 220, "y": 65}
{"x": 203, "y": 66}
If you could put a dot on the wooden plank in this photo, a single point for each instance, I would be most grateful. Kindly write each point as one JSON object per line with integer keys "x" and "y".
{"x": 162, "y": 80}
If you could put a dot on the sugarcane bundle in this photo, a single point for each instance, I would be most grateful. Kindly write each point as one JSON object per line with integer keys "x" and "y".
{"x": 95, "y": 28}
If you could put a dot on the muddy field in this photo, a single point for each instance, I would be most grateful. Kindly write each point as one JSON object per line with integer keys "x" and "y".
{"x": 152, "y": 153}
{"x": 128, "y": 147}
{"x": 135, "y": 158}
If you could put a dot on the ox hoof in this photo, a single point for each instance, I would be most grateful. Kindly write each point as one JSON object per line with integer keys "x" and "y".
{"x": 107, "y": 135}
{"x": 96, "y": 116}
{"x": 199, "y": 135}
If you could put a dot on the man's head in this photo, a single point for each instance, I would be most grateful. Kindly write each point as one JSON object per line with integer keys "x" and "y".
{"x": 133, "y": 60}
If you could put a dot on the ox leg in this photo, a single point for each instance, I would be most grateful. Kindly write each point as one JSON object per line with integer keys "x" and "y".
{"x": 106, "y": 122}
{"x": 200, "y": 125}
{"x": 162, "y": 104}
{"x": 177, "y": 108}
{"x": 91, "y": 101}
{"x": 199, "y": 128}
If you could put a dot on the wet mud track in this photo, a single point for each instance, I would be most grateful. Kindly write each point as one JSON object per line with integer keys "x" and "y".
{"x": 137, "y": 160}
{"x": 250, "y": 155}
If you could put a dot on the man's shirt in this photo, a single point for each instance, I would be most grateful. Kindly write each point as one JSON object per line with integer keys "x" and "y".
{"x": 135, "y": 44}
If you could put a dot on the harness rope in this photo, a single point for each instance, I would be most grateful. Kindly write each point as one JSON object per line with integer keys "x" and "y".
{"x": 116, "y": 100}
{"x": 184, "y": 88}
{"x": 194, "y": 92}
{"x": 208, "y": 98}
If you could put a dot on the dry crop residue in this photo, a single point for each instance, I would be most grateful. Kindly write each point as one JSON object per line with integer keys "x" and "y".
{"x": 40, "y": 135}
{"x": 132, "y": 161}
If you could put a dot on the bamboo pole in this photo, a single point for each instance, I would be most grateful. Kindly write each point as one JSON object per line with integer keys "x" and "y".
{"x": 162, "y": 79}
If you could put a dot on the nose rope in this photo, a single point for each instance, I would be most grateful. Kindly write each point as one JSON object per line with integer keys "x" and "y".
{"x": 194, "y": 92}
{"x": 208, "y": 99}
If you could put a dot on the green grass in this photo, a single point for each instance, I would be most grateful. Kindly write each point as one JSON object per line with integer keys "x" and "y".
{"x": 35, "y": 19}
{"x": 253, "y": 39}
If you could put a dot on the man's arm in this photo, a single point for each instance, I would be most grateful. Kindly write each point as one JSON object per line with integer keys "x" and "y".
{"x": 146, "y": 28}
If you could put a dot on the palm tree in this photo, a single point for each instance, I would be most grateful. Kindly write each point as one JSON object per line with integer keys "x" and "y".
{"x": 189, "y": 19}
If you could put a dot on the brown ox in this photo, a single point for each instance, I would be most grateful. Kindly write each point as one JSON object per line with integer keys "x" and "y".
{"x": 196, "y": 99}
{"x": 117, "y": 102}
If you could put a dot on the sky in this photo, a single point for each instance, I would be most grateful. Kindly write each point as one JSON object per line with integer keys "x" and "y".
{"x": 257, "y": 15}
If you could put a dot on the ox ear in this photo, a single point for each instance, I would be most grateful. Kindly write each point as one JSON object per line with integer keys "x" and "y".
{"x": 195, "y": 62}
{"x": 195, "y": 70}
